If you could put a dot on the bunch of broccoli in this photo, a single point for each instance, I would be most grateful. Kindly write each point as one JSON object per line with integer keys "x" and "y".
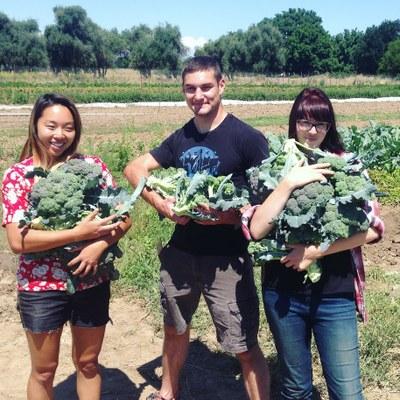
{"x": 62, "y": 197}
{"x": 190, "y": 193}
{"x": 318, "y": 213}
{"x": 265, "y": 177}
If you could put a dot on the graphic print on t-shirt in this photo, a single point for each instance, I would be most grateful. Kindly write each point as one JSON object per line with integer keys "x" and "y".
{"x": 200, "y": 159}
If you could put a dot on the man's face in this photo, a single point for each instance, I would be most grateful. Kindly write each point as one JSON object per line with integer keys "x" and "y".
{"x": 203, "y": 92}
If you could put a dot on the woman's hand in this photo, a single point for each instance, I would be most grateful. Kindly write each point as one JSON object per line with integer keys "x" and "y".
{"x": 301, "y": 256}
{"x": 88, "y": 258}
{"x": 92, "y": 228}
{"x": 301, "y": 175}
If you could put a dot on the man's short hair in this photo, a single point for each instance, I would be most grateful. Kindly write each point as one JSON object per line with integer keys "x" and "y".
{"x": 202, "y": 63}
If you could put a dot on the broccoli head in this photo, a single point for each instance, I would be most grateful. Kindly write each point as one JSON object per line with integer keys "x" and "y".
{"x": 336, "y": 229}
{"x": 89, "y": 174}
{"x": 309, "y": 198}
{"x": 336, "y": 163}
{"x": 342, "y": 221}
{"x": 346, "y": 185}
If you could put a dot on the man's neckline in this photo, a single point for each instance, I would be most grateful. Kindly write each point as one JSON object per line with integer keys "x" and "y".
{"x": 213, "y": 128}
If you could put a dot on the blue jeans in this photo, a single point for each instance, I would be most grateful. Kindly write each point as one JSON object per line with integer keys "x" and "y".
{"x": 332, "y": 321}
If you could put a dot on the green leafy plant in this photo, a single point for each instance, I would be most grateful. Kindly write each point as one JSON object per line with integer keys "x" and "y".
{"x": 318, "y": 213}
{"x": 377, "y": 145}
{"x": 190, "y": 193}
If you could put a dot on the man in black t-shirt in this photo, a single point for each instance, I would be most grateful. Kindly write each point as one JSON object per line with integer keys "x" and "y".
{"x": 208, "y": 257}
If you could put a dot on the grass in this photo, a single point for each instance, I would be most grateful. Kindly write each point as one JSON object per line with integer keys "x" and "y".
{"x": 139, "y": 266}
{"x": 389, "y": 184}
{"x": 380, "y": 337}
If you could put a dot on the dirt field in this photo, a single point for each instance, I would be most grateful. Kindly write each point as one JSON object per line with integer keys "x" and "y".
{"x": 112, "y": 122}
{"x": 131, "y": 354}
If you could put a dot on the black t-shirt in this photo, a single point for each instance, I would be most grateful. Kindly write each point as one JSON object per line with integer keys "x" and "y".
{"x": 231, "y": 148}
{"x": 337, "y": 276}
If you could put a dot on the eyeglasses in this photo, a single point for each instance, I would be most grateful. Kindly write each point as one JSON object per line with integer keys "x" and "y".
{"x": 306, "y": 125}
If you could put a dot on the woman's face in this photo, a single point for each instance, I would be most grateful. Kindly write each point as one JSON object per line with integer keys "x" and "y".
{"x": 311, "y": 133}
{"x": 56, "y": 131}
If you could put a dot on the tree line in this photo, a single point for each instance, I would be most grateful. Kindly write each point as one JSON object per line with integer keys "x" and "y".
{"x": 75, "y": 43}
{"x": 293, "y": 42}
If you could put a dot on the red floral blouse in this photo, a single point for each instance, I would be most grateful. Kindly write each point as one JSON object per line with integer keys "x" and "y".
{"x": 46, "y": 273}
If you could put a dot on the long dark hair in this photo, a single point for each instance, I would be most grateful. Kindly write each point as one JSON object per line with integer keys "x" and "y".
{"x": 33, "y": 146}
{"x": 314, "y": 104}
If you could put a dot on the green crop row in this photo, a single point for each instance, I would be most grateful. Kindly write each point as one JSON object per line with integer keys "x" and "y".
{"x": 21, "y": 92}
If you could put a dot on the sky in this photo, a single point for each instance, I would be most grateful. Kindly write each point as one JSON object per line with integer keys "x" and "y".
{"x": 204, "y": 20}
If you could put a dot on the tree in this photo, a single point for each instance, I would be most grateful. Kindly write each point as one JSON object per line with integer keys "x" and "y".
{"x": 21, "y": 45}
{"x": 100, "y": 41}
{"x": 66, "y": 52}
{"x": 309, "y": 48}
{"x": 390, "y": 62}
{"x": 77, "y": 43}
{"x": 118, "y": 45}
{"x": 140, "y": 42}
{"x": 374, "y": 44}
{"x": 229, "y": 50}
{"x": 259, "y": 49}
{"x": 5, "y": 42}
{"x": 29, "y": 46}
{"x": 142, "y": 56}
{"x": 264, "y": 48}
{"x": 72, "y": 21}
{"x": 234, "y": 53}
{"x": 168, "y": 48}
{"x": 160, "y": 48}
{"x": 346, "y": 44}
{"x": 213, "y": 49}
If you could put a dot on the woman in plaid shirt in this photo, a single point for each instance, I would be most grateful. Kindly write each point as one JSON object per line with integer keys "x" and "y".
{"x": 326, "y": 309}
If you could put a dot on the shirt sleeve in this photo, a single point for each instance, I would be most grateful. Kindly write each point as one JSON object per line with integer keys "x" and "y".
{"x": 164, "y": 153}
{"x": 14, "y": 191}
{"x": 106, "y": 174}
{"x": 256, "y": 149}
{"x": 375, "y": 222}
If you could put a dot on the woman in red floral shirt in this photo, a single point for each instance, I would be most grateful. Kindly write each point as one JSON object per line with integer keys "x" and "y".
{"x": 43, "y": 303}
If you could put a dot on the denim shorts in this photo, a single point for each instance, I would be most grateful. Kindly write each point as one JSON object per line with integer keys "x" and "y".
{"x": 47, "y": 311}
{"x": 227, "y": 284}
